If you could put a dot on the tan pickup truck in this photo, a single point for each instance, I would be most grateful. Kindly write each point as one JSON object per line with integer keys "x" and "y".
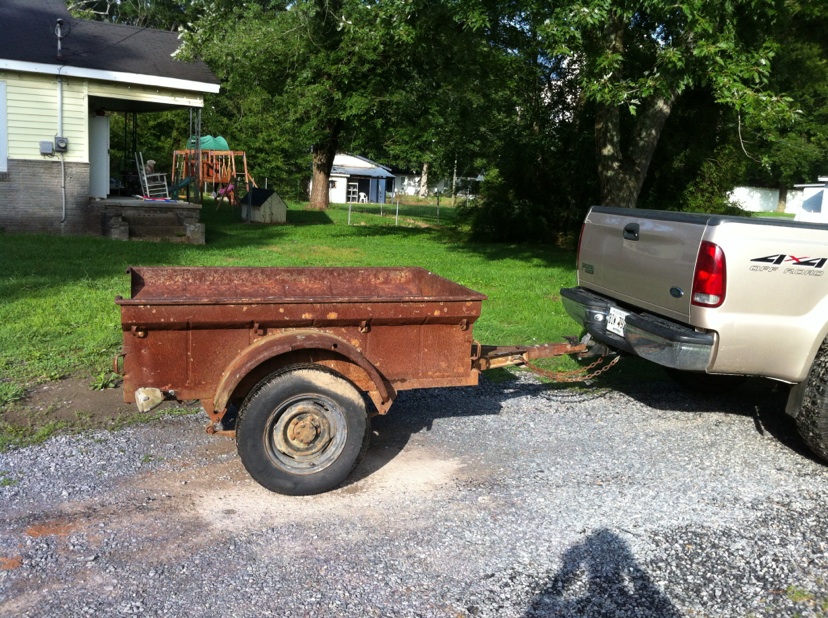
{"x": 710, "y": 296}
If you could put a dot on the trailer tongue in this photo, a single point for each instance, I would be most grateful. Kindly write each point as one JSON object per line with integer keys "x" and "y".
{"x": 279, "y": 357}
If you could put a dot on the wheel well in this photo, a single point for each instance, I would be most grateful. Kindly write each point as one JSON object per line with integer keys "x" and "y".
{"x": 336, "y": 362}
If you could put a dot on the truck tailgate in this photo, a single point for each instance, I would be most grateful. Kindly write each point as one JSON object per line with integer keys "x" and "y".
{"x": 643, "y": 257}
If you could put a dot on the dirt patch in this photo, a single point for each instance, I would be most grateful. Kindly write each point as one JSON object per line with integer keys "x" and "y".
{"x": 70, "y": 401}
{"x": 9, "y": 564}
{"x": 411, "y": 477}
{"x": 49, "y": 529}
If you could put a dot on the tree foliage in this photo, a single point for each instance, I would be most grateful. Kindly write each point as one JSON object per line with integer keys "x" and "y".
{"x": 160, "y": 14}
{"x": 336, "y": 74}
{"x": 634, "y": 59}
{"x": 561, "y": 105}
{"x": 781, "y": 154}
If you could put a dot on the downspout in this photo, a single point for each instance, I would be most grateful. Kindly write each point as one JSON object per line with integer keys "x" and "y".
{"x": 60, "y": 154}
{"x": 59, "y": 35}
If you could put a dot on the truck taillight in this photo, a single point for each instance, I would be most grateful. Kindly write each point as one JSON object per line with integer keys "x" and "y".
{"x": 578, "y": 252}
{"x": 710, "y": 278}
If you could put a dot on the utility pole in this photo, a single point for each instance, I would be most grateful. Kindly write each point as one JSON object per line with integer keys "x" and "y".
{"x": 454, "y": 184}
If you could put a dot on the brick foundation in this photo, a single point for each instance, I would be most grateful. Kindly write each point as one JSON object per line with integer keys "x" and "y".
{"x": 31, "y": 200}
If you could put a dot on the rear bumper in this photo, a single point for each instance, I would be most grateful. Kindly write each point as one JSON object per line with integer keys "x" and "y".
{"x": 651, "y": 337}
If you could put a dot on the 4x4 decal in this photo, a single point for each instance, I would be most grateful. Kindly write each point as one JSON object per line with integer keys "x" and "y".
{"x": 798, "y": 265}
{"x": 779, "y": 258}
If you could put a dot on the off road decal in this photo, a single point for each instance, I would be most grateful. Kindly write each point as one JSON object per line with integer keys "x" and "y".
{"x": 790, "y": 265}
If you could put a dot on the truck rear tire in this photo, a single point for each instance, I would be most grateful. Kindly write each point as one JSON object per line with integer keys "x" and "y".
{"x": 302, "y": 430}
{"x": 812, "y": 420}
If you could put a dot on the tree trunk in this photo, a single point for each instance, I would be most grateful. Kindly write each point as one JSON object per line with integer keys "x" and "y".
{"x": 323, "y": 158}
{"x": 782, "y": 203}
{"x": 424, "y": 181}
{"x": 621, "y": 172}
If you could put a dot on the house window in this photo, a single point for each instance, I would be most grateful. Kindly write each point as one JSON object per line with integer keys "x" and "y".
{"x": 4, "y": 131}
{"x": 332, "y": 184}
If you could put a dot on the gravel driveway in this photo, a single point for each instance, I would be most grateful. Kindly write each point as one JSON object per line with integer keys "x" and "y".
{"x": 512, "y": 499}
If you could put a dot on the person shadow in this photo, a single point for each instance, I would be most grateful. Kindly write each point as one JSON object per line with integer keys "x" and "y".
{"x": 600, "y": 578}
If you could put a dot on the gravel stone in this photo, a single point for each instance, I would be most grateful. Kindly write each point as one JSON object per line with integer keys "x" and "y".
{"x": 512, "y": 499}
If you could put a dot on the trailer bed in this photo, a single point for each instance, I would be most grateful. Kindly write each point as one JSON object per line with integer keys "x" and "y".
{"x": 182, "y": 327}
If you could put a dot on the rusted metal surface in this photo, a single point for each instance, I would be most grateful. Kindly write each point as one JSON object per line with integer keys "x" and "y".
{"x": 281, "y": 344}
{"x": 492, "y": 357}
{"x": 211, "y": 333}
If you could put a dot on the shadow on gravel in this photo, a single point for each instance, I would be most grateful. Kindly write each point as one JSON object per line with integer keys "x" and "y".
{"x": 600, "y": 577}
{"x": 416, "y": 411}
{"x": 761, "y": 399}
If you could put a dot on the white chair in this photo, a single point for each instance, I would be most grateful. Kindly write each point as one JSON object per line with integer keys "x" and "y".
{"x": 363, "y": 198}
{"x": 154, "y": 184}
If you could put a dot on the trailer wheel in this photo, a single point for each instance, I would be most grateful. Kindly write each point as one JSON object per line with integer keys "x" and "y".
{"x": 812, "y": 420}
{"x": 302, "y": 430}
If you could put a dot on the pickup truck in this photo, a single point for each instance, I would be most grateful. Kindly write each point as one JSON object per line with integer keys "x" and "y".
{"x": 711, "y": 296}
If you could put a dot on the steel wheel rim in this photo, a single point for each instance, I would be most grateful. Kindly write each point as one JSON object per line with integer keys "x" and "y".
{"x": 306, "y": 434}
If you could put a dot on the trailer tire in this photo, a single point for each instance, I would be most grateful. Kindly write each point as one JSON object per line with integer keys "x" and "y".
{"x": 302, "y": 430}
{"x": 812, "y": 420}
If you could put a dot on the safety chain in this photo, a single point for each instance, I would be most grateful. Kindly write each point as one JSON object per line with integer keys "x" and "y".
{"x": 578, "y": 375}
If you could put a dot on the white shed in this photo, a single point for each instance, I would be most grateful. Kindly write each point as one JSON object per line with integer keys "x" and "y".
{"x": 357, "y": 179}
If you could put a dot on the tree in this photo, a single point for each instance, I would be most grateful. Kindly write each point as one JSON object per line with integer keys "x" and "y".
{"x": 632, "y": 60}
{"x": 538, "y": 167}
{"x": 438, "y": 110}
{"x": 320, "y": 64}
{"x": 382, "y": 76}
{"x": 160, "y": 14}
{"x": 779, "y": 156}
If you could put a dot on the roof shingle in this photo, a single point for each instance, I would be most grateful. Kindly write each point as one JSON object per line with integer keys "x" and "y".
{"x": 27, "y": 33}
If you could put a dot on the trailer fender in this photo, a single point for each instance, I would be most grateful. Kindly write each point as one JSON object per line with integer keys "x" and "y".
{"x": 271, "y": 347}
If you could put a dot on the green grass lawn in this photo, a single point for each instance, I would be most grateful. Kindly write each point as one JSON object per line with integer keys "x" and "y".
{"x": 57, "y": 293}
{"x": 775, "y": 215}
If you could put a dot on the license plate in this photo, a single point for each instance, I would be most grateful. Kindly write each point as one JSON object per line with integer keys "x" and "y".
{"x": 616, "y": 321}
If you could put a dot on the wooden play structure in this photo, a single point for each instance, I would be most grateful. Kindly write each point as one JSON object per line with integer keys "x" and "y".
{"x": 221, "y": 172}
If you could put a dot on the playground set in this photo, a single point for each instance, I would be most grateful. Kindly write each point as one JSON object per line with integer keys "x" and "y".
{"x": 206, "y": 165}
{"x": 210, "y": 164}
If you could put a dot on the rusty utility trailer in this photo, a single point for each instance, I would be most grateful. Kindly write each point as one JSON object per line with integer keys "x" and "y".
{"x": 279, "y": 357}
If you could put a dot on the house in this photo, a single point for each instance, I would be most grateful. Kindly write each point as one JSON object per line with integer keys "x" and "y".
{"x": 814, "y": 201}
{"x": 60, "y": 80}
{"x": 357, "y": 179}
{"x": 761, "y": 199}
{"x": 408, "y": 183}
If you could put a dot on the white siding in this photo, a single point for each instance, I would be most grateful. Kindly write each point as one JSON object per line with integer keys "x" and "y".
{"x": 4, "y": 130}
{"x": 757, "y": 199}
{"x": 338, "y": 193}
{"x": 32, "y": 115}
